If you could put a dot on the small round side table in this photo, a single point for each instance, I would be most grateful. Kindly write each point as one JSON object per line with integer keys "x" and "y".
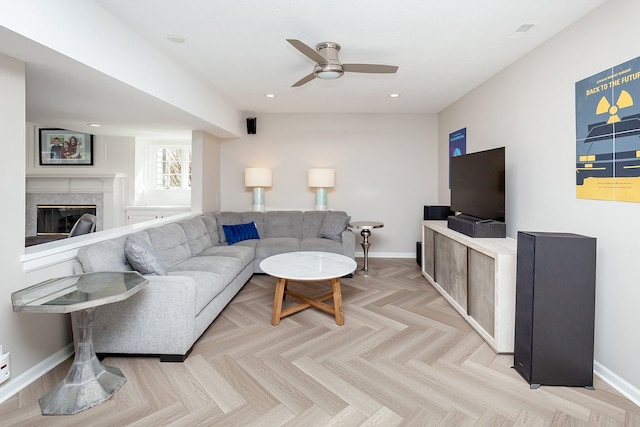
{"x": 366, "y": 227}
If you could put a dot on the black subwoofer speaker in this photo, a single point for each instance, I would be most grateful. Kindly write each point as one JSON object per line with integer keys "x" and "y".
{"x": 555, "y": 309}
{"x": 251, "y": 125}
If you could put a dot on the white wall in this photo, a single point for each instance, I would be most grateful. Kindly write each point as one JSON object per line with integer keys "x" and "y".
{"x": 146, "y": 193}
{"x": 33, "y": 18}
{"x": 111, "y": 155}
{"x": 26, "y": 336}
{"x": 205, "y": 169}
{"x": 530, "y": 109}
{"x": 386, "y": 169}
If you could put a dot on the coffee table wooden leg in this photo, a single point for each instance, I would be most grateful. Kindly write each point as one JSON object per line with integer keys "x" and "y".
{"x": 337, "y": 301}
{"x": 281, "y": 284}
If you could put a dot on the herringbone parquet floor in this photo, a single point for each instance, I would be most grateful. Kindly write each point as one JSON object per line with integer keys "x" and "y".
{"x": 404, "y": 357}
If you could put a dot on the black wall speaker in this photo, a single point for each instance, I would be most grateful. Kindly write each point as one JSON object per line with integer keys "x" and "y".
{"x": 437, "y": 212}
{"x": 251, "y": 125}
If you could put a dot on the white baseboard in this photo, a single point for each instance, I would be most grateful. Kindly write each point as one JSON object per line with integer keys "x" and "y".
{"x": 15, "y": 385}
{"x": 387, "y": 255}
{"x": 626, "y": 389}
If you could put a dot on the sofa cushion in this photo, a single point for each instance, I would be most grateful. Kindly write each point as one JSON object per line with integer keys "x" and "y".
{"x": 283, "y": 224}
{"x": 256, "y": 217}
{"x": 311, "y": 222}
{"x": 322, "y": 245}
{"x": 227, "y": 267}
{"x": 248, "y": 243}
{"x": 333, "y": 224}
{"x": 142, "y": 257}
{"x": 276, "y": 245}
{"x": 197, "y": 236}
{"x": 208, "y": 286}
{"x": 243, "y": 253}
{"x": 104, "y": 256}
{"x": 170, "y": 244}
{"x": 211, "y": 224}
{"x": 238, "y": 232}
{"x": 226, "y": 218}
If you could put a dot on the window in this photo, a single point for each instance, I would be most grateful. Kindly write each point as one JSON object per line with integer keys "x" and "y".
{"x": 173, "y": 167}
{"x": 162, "y": 172}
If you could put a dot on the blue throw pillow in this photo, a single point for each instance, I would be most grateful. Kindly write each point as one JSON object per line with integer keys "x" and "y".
{"x": 238, "y": 232}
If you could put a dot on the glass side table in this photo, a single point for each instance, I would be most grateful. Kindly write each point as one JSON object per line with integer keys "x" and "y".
{"x": 88, "y": 382}
{"x": 366, "y": 227}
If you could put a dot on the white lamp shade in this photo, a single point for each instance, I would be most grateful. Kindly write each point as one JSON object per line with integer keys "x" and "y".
{"x": 257, "y": 177}
{"x": 321, "y": 178}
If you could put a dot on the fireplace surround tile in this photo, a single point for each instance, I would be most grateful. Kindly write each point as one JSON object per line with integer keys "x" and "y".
{"x": 35, "y": 199}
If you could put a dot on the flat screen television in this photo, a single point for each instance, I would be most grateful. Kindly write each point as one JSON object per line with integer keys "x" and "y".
{"x": 477, "y": 184}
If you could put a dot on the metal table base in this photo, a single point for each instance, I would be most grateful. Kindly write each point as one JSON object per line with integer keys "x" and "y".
{"x": 88, "y": 382}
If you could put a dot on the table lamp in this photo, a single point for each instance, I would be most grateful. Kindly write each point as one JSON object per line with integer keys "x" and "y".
{"x": 258, "y": 178}
{"x": 321, "y": 179}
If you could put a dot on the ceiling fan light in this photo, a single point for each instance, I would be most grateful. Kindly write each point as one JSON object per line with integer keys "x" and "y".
{"x": 328, "y": 75}
{"x": 328, "y": 71}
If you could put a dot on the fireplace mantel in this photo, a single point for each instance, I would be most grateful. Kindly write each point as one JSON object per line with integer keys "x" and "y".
{"x": 72, "y": 183}
{"x": 105, "y": 190}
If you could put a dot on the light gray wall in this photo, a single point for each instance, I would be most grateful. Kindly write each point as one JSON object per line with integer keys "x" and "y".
{"x": 386, "y": 169}
{"x": 530, "y": 109}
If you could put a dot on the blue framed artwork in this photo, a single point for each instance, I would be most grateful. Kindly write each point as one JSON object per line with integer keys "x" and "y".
{"x": 457, "y": 146}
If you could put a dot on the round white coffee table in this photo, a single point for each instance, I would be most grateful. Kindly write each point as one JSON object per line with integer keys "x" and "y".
{"x": 308, "y": 267}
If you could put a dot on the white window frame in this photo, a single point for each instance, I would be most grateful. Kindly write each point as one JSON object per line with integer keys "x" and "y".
{"x": 147, "y": 193}
{"x": 185, "y": 178}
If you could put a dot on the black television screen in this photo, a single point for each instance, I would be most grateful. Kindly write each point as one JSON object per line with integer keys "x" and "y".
{"x": 477, "y": 184}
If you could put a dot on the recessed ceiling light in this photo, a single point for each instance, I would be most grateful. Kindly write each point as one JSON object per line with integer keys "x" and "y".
{"x": 394, "y": 95}
{"x": 524, "y": 28}
{"x": 520, "y": 31}
{"x": 270, "y": 95}
{"x": 94, "y": 125}
{"x": 175, "y": 38}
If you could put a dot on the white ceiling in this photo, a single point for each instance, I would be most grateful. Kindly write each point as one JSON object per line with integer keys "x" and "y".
{"x": 443, "y": 50}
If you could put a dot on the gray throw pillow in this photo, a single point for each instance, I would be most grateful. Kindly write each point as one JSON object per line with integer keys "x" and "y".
{"x": 142, "y": 257}
{"x": 333, "y": 224}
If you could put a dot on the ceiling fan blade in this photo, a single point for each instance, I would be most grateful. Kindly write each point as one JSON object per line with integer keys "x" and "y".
{"x": 369, "y": 68}
{"x": 305, "y": 79}
{"x": 306, "y": 50}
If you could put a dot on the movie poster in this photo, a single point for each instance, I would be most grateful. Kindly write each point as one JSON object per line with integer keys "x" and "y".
{"x": 608, "y": 134}
{"x": 457, "y": 146}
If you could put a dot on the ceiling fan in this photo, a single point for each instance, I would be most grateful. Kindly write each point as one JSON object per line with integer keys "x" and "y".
{"x": 328, "y": 66}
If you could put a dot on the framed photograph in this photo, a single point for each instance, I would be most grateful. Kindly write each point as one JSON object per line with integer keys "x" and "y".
{"x": 61, "y": 147}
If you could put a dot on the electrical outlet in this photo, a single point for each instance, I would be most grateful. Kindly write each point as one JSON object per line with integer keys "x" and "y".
{"x": 4, "y": 367}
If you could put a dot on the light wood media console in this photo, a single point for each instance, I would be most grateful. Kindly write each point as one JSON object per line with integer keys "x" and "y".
{"x": 477, "y": 276}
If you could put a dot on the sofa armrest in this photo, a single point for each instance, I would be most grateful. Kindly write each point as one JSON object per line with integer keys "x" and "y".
{"x": 349, "y": 243}
{"x": 77, "y": 267}
{"x": 159, "y": 319}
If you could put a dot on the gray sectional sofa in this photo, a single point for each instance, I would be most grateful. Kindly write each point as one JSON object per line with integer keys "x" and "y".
{"x": 194, "y": 273}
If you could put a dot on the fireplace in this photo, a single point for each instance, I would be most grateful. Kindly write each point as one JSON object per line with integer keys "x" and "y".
{"x": 104, "y": 191}
{"x": 59, "y": 219}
